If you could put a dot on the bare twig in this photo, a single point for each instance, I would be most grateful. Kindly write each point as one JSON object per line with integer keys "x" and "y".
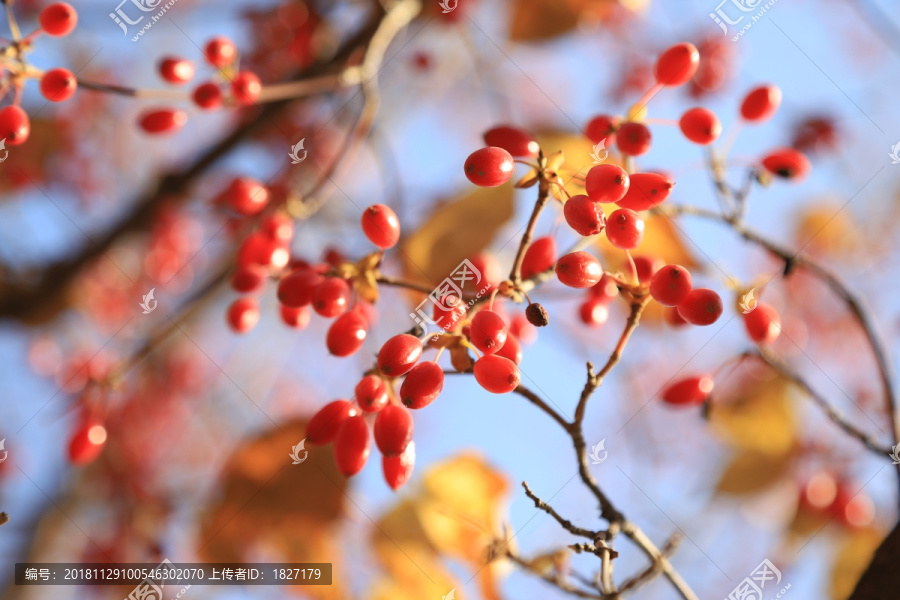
{"x": 566, "y": 524}
{"x": 543, "y": 197}
{"x": 552, "y": 578}
{"x": 542, "y": 404}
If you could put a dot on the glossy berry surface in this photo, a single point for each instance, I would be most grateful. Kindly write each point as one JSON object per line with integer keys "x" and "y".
{"x": 787, "y": 163}
{"x": 331, "y": 297}
{"x": 489, "y": 167}
{"x": 763, "y": 324}
{"x": 646, "y": 190}
{"x": 261, "y": 250}
{"x": 488, "y": 331}
{"x": 701, "y": 126}
{"x": 602, "y": 128}
{"x": 58, "y": 19}
{"x": 646, "y": 267}
{"x": 398, "y": 469}
{"x": 624, "y": 229}
{"x": 606, "y": 289}
{"x": 688, "y": 391}
{"x": 297, "y": 288}
{"x": 761, "y": 103}
{"x": 371, "y": 393}
{"x": 220, "y": 51}
{"x": 584, "y": 215}
{"x": 422, "y": 385}
{"x": 677, "y": 65}
{"x": 607, "y": 183}
{"x": 393, "y": 429}
{"x": 381, "y": 225}
{"x": 243, "y": 315}
{"x": 540, "y": 256}
{"x": 246, "y": 196}
{"x": 324, "y": 425}
{"x": 246, "y": 87}
{"x": 515, "y": 140}
{"x": 496, "y": 374}
{"x": 278, "y": 227}
{"x": 58, "y": 85}
{"x": 87, "y": 443}
{"x": 511, "y": 349}
{"x": 399, "y": 355}
{"x": 176, "y": 70}
{"x": 248, "y": 278}
{"x": 670, "y": 285}
{"x": 298, "y": 317}
{"x": 351, "y": 446}
{"x": 15, "y": 127}
{"x": 579, "y": 270}
{"x": 634, "y": 139}
{"x": 593, "y": 312}
{"x": 701, "y": 307}
{"x": 207, "y": 96}
{"x": 347, "y": 334}
{"x": 163, "y": 121}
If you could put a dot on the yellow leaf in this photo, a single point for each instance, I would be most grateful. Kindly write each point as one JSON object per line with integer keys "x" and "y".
{"x": 455, "y": 231}
{"x": 761, "y": 420}
{"x": 851, "y": 561}
{"x": 750, "y": 472}
{"x": 534, "y": 20}
{"x": 821, "y": 233}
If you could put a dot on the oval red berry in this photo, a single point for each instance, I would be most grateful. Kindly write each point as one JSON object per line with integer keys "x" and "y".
{"x": 670, "y": 285}
{"x": 496, "y": 374}
{"x": 399, "y": 354}
{"x": 381, "y": 226}
{"x": 489, "y": 167}
{"x": 422, "y": 385}
{"x": 515, "y": 140}
{"x": 351, "y": 446}
{"x": 701, "y": 307}
{"x": 393, "y": 429}
{"x": 579, "y": 270}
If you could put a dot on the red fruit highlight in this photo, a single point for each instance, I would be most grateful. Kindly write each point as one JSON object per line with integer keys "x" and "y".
{"x": 422, "y": 385}
{"x": 688, "y": 391}
{"x": 243, "y": 315}
{"x": 625, "y": 229}
{"x": 607, "y": 183}
{"x": 381, "y": 226}
{"x": 347, "y": 334}
{"x": 393, "y": 429}
{"x": 371, "y": 393}
{"x": 398, "y": 469}
{"x": 518, "y": 142}
{"x": 701, "y": 307}
{"x": 323, "y": 426}
{"x": 351, "y": 446}
{"x": 579, "y": 270}
{"x": 399, "y": 355}
{"x": 763, "y": 324}
{"x": 677, "y": 65}
{"x": 670, "y": 285}
{"x": 489, "y": 167}
{"x": 761, "y": 103}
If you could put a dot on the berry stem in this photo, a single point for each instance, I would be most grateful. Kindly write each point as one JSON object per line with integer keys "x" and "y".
{"x": 632, "y": 268}
{"x": 648, "y": 95}
{"x": 159, "y": 94}
{"x": 13, "y": 24}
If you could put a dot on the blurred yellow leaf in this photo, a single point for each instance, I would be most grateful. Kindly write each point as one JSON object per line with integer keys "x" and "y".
{"x": 536, "y": 20}
{"x": 821, "y": 232}
{"x": 750, "y": 472}
{"x": 761, "y": 419}
{"x": 456, "y": 230}
{"x": 851, "y": 560}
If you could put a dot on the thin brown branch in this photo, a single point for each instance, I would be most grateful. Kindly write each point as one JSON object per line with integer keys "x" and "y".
{"x": 553, "y": 578}
{"x": 409, "y": 285}
{"x": 543, "y": 197}
{"x": 543, "y": 405}
{"x": 647, "y": 575}
{"x": 565, "y": 523}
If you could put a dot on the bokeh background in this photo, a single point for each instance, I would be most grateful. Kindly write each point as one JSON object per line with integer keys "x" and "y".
{"x": 196, "y": 467}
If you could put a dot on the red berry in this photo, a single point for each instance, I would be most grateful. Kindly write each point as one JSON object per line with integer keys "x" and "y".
{"x": 58, "y": 19}
{"x": 296, "y": 289}
{"x": 761, "y": 103}
{"x": 488, "y": 331}
{"x": 381, "y": 226}
{"x": 625, "y": 229}
{"x": 208, "y": 96}
{"x": 524, "y": 331}
{"x": 670, "y": 285}
{"x": 579, "y": 270}
{"x": 646, "y": 267}
{"x": 371, "y": 393}
{"x": 58, "y": 85}
{"x": 677, "y": 65}
{"x": 220, "y": 51}
{"x": 633, "y": 139}
{"x": 87, "y": 443}
{"x": 763, "y": 324}
{"x": 298, "y": 317}
{"x": 399, "y": 354}
{"x": 819, "y": 492}
{"x": 516, "y": 141}
{"x": 496, "y": 374}
{"x": 176, "y": 70}
{"x": 278, "y": 227}
{"x": 607, "y": 183}
{"x": 262, "y": 250}
{"x": 422, "y": 385}
{"x": 351, "y": 446}
{"x": 606, "y": 289}
{"x": 393, "y": 429}
{"x": 246, "y": 87}
{"x": 716, "y": 68}
{"x": 602, "y": 127}
{"x": 397, "y": 469}
{"x": 243, "y": 314}
{"x": 511, "y": 349}
{"x": 331, "y": 297}
{"x": 540, "y": 256}
{"x": 324, "y": 425}
{"x": 15, "y": 127}
{"x": 248, "y": 278}
{"x": 690, "y": 390}
{"x": 701, "y": 307}
{"x": 788, "y": 163}
{"x": 593, "y": 312}
{"x": 673, "y": 318}
{"x": 584, "y": 215}
{"x": 646, "y": 191}
{"x": 701, "y": 126}
{"x": 489, "y": 167}
{"x": 347, "y": 334}
{"x": 816, "y": 134}
{"x": 246, "y": 196}
{"x": 166, "y": 120}
{"x": 854, "y": 512}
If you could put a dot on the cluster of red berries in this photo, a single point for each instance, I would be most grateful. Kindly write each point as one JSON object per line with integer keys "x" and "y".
{"x": 824, "y": 496}
{"x": 56, "y": 85}
{"x": 243, "y": 87}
